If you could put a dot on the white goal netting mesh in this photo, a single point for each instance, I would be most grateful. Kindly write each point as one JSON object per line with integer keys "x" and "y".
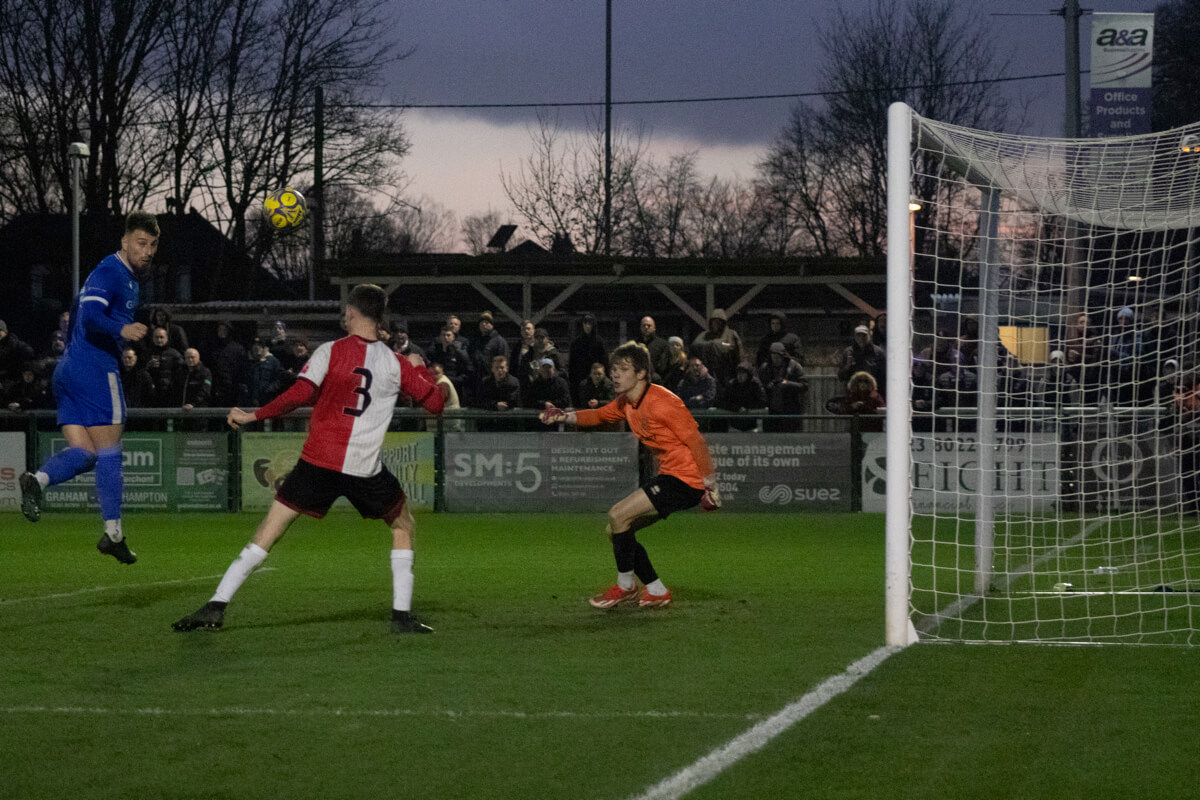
{"x": 1055, "y": 432}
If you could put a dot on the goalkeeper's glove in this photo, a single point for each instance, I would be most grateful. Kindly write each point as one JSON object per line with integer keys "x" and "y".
{"x": 711, "y": 499}
{"x": 552, "y": 415}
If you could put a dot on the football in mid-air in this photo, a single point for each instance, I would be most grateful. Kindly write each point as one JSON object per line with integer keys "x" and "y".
{"x": 285, "y": 208}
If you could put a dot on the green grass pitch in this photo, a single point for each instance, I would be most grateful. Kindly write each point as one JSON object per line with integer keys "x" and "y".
{"x": 524, "y": 691}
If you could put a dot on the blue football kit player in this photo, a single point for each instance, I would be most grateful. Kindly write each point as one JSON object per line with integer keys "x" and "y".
{"x": 87, "y": 383}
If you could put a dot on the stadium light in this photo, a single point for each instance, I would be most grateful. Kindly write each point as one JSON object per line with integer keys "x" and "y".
{"x": 914, "y": 204}
{"x": 1190, "y": 143}
{"x": 75, "y": 154}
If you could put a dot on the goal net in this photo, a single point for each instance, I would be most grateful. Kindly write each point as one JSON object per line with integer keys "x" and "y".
{"x": 1043, "y": 427}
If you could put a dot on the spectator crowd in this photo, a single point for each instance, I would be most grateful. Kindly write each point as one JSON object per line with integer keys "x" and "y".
{"x": 477, "y": 367}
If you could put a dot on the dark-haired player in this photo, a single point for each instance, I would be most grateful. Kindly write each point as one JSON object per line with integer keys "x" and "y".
{"x": 87, "y": 383}
{"x": 686, "y": 478}
{"x": 354, "y": 382}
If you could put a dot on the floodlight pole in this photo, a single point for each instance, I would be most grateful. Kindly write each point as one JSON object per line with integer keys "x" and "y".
{"x": 75, "y": 154}
{"x": 1072, "y": 129}
{"x": 608, "y": 127}
{"x": 1072, "y": 126}
{"x": 316, "y": 205}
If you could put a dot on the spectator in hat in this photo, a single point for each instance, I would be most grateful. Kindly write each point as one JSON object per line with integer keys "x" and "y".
{"x": 743, "y": 394}
{"x": 778, "y": 332}
{"x": 543, "y": 348}
{"x": 676, "y": 366}
{"x": 587, "y": 349}
{"x": 483, "y": 348}
{"x": 229, "y": 365}
{"x": 862, "y": 396}
{"x": 548, "y": 389}
{"x": 863, "y": 355}
{"x": 787, "y": 389}
{"x": 262, "y": 376}
{"x": 401, "y": 344}
{"x": 280, "y": 345}
{"x": 719, "y": 347}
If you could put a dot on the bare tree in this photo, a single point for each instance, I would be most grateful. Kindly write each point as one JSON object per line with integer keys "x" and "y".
{"x": 427, "y": 227}
{"x": 188, "y": 122}
{"x": 728, "y": 220}
{"x": 478, "y": 229}
{"x": 827, "y": 171}
{"x": 660, "y": 198}
{"x": 559, "y": 188}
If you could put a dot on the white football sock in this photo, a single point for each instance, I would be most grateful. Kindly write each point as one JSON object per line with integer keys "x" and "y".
{"x": 626, "y": 580}
{"x": 247, "y": 561}
{"x": 656, "y": 587}
{"x": 42, "y": 478}
{"x": 112, "y": 529}
{"x": 402, "y": 580}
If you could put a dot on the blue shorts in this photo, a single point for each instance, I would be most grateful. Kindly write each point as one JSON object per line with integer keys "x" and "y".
{"x": 88, "y": 394}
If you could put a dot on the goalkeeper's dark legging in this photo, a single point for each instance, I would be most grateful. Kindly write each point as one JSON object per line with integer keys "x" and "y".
{"x": 632, "y": 557}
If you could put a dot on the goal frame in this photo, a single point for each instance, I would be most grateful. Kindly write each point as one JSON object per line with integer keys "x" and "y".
{"x": 1137, "y": 184}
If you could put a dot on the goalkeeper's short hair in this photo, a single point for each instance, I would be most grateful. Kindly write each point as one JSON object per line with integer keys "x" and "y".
{"x": 635, "y": 353}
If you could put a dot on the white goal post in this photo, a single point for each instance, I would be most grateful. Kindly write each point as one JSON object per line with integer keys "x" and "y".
{"x": 1043, "y": 387}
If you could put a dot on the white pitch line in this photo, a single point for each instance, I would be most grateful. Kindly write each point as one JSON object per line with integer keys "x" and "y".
{"x": 95, "y": 589}
{"x": 236, "y": 711}
{"x": 704, "y": 770}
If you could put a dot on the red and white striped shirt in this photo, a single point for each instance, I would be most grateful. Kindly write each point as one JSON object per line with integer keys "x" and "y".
{"x": 355, "y": 382}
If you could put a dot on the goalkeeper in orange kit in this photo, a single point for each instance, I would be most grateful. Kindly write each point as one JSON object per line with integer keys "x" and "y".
{"x": 686, "y": 477}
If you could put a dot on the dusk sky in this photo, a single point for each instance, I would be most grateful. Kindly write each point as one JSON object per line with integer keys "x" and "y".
{"x": 552, "y": 51}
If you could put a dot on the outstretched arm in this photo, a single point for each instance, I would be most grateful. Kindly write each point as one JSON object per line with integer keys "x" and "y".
{"x": 301, "y": 393}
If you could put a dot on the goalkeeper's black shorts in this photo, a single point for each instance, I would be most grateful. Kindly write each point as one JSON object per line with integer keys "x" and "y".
{"x": 311, "y": 490}
{"x": 668, "y": 494}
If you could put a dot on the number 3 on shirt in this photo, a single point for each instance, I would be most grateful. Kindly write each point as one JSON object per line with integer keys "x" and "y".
{"x": 364, "y": 390}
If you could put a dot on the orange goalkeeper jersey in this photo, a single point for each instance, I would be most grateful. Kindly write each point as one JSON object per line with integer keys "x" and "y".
{"x": 663, "y": 423}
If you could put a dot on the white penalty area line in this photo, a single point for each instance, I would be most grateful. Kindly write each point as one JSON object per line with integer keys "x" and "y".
{"x": 754, "y": 739}
{"x": 98, "y": 589}
{"x": 237, "y": 711}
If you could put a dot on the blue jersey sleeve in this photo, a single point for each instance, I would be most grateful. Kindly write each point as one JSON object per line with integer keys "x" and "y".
{"x": 103, "y": 307}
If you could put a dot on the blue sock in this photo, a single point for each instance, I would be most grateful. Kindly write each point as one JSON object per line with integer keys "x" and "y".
{"x": 110, "y": 482}
{"x": 66, "y": 464}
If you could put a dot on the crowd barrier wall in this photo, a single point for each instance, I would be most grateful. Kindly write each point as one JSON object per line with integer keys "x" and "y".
{"x": 467, "y": 461}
